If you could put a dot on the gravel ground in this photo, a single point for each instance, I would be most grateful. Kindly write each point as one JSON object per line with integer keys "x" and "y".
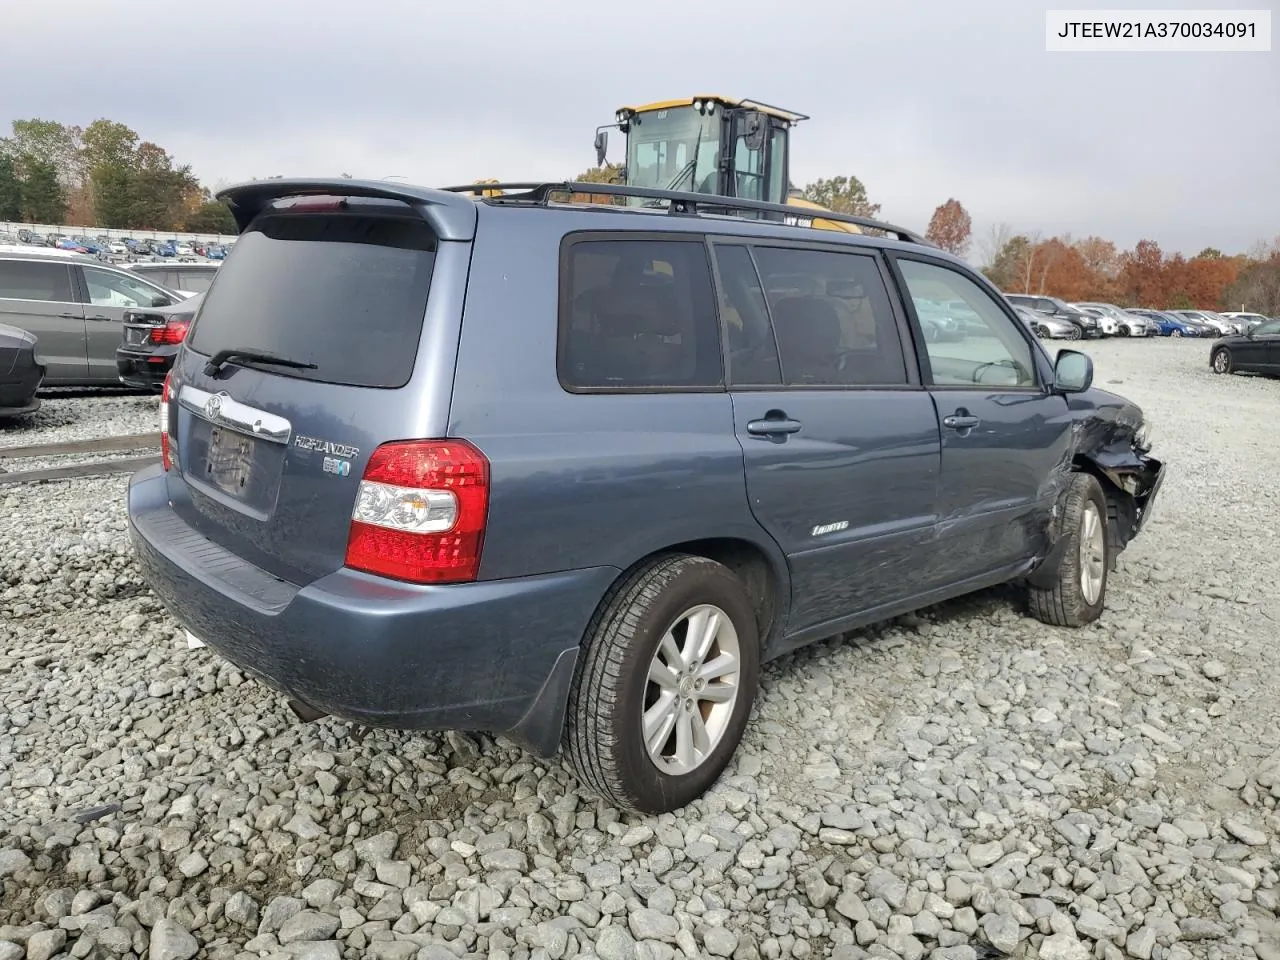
{"x": 960, "y": 783}
{"x": 68, "y": 414}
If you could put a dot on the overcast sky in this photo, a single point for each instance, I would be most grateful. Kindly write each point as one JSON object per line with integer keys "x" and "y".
{"x": 921, "y": 100}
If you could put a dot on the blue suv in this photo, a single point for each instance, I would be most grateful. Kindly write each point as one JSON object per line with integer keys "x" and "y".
{"x": 572, "y": 471}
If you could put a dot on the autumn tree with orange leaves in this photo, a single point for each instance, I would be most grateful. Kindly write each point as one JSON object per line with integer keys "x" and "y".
{"x": 950, "y": 227}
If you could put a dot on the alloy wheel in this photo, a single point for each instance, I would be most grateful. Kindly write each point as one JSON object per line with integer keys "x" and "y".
{"x": 1092, "y": 553}
{"x": 691, "y": 689}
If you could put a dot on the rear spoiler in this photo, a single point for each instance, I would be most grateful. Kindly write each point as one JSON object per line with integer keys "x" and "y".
{"x": 453, "y": 217}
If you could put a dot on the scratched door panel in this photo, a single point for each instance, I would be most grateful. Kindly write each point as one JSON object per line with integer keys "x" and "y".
{"x": 849, "y": 497}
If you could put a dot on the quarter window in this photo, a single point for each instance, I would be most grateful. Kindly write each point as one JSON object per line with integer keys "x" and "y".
{"x": 832, "y": 318}
{"x": 637, "y": 315}
{"x": 27, "y": 280}
{"x": 969, "y": 339}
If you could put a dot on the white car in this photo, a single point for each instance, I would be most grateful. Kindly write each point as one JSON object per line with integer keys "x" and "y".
{"x": 1127, "y": 324}
{"x": 184, "y": 250}
{"x": 1251, "y": 319}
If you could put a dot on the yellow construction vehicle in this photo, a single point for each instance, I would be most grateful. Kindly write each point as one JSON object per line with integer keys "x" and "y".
{"x": 714, "y": 145}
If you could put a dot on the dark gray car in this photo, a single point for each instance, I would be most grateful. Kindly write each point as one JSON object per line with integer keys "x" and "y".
{"x": 20, "y": 372}
{"x": 574, "y": 472}
{"x": 75, "y": 306}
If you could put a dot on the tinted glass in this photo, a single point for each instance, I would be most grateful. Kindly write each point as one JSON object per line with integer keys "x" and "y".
{"x": 832, "y": 318}
{"x": 753, "y": 354}
{"x": 1268, "y": 329}
{"x": 24, "y": 280}
{"x": 195, "y": 281}
{"x": 108, "y": 289}
{"x": 638, "y": 314}
{"x": 990, "y": 350}
{"x": 345, "y": 291}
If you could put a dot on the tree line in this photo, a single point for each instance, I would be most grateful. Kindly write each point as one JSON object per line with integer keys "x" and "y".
{"x": 103, "y": 174}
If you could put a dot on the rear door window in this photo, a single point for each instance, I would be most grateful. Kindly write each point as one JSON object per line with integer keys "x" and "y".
{"x": 344, "y": 290}
{"x": 832, "y": 318}
{"x": 638, "y": 315}
{"x": 27, "y": 280}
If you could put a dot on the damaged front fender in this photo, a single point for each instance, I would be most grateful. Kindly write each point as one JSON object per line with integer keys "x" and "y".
{"x": 1131, "y": 482}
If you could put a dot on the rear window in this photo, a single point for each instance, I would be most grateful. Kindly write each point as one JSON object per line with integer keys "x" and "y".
{"x": 195, "y": 281}
{"x": 346, "y": 291}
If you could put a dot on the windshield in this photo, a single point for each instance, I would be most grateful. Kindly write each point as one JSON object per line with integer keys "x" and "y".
{"x": 662, "y": 147}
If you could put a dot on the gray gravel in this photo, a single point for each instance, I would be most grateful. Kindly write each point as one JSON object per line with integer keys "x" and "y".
{"x": 67, "y": 414}
{"x": 960, "y": 783}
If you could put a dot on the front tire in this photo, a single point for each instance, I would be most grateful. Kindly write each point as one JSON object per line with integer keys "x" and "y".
{"x": 1222, "y": 360}
{"x": 1175, "y": 332}
{"x": 668, "y": 675}
{"x": 1074, "y": 333}
{"x": 1079, "y": 593}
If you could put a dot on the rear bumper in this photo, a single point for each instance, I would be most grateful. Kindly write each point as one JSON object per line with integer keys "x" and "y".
{"x": 496, "y": 656}
{"x": 145, "y": 369}
{"x": 18, "y": 391}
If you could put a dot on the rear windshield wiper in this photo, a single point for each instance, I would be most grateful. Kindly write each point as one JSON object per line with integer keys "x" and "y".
{"x": 222, "y": 356}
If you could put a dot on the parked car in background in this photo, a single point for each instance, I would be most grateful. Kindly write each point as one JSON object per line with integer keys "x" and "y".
{"x": 75, "y": 307}
{"x": 1058, "y": 308}
{"x": 1127, "y": 324}
{"x": 936, "y": 322}
{"x": 1256, "y": 351}
{"x": 308, "y": 522}
{"x": 1250, "y": 319}
{"x": 1047, "y": 327}
{"x": 1173, "y": 325}
{"x": 187, "y": 279}
{"x": 21, "y": 372}
{"x": 1106, "y": 324}
{"x": 150, "y": 339}
{"x": 1219, "y": 325}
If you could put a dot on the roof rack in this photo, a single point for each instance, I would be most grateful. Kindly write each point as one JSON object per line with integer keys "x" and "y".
{"x": 681, "y": 203}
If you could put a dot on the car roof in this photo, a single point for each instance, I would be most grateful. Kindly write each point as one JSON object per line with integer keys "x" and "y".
{"x": 27, "y": 252}
{"x": 169, "y": 265}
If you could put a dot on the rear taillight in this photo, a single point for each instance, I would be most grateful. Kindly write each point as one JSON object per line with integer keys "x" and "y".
{"x": 175, "y": 331}
{"x": 164, "y": 423}
{"x": 420, "y": 512}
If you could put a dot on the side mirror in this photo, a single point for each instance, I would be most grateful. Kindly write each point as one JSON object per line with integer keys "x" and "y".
{"x": 1072, "y": 372}
{"x": 753, "y": 130}
{"x": 602, "y": 146}
{"x": 160, "y": 300}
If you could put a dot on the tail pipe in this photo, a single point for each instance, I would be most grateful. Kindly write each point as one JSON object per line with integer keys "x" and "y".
{"x": 305, "y": 712}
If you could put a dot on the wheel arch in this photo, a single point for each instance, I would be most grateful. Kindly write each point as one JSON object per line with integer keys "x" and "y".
{"x": 762, "y": 571}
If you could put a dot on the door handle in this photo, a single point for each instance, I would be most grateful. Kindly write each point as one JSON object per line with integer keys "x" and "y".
{"x": 959, "y": 421}
{"x": 99, "y": 317}
{"x": 70, "y": 316}
{"x": 773, "y": 426}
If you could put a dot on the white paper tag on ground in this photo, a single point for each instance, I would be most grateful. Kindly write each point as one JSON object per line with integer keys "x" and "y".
{"x": 192, "y": 640}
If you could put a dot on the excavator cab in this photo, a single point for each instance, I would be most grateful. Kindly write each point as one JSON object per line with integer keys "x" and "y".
{"x": 706, "y": 144}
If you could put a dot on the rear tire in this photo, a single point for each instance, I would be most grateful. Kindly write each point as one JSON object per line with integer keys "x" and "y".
{"x": 638, "y": 670}
{"x": 1075, "y": 333}
{"x": 1222, "y": 360}
{"x": 1175, "y": 332}
{"x": 1079, "y": 593}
